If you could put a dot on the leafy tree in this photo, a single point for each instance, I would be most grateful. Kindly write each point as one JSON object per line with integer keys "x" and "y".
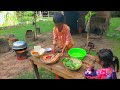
{"x": 9, "y": 18}
{"x": 25, "y": 16}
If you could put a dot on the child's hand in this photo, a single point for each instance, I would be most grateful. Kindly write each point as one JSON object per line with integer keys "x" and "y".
{"x": 91, "y": 66}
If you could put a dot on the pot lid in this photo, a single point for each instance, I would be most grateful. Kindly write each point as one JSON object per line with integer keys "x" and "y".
{"x": 19, "y": 45}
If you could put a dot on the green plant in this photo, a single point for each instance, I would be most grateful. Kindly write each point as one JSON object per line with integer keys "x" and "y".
{"x": 28, "y": 13}
{"x": 89, "y": 15}
{"x": 25, "y": 16}
{"x": 87, "y": 22}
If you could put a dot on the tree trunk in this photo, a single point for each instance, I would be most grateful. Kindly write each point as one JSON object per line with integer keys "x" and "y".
{"x": 35, "y": 25}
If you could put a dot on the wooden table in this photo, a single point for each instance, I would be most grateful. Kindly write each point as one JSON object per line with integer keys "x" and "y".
{"x": 60, "y": 70}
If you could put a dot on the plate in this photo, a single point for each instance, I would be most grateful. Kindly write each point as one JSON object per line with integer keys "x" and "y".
{"x": 50, "y": 58}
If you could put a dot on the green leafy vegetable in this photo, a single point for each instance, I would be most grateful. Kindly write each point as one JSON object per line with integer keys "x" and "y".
{"x": 70, "y": 64}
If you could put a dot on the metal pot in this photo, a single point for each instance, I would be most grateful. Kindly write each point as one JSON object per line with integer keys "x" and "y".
{"x": 20, "y": 48}
{"x": 18, "y": 45}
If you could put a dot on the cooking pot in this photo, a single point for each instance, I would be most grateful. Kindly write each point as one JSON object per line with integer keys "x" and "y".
{"x": 18, "y": 45}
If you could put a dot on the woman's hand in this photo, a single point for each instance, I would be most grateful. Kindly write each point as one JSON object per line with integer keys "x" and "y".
{"x": 54, "y": 48}
{"x": 61, "y": 54}
{"x": 63, "y": 49}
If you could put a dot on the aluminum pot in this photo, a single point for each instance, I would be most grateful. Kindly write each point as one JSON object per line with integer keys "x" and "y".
{"x": 18, "y": 45}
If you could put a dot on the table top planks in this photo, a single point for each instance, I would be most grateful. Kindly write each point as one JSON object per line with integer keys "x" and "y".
{"x": 58, "y": 67}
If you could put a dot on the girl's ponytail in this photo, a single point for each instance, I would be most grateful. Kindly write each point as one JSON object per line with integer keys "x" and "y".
{"x": 116, "y": 62}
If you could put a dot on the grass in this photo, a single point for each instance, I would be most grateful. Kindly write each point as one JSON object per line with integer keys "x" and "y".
{"x": 116, "y": 47}
{"x": 112, "y": 33}
{"x": 47, "y": 18}
{"x": 19, "y": 32}
{"x": 44, "y": 74}
{"x": 114, "y": 36}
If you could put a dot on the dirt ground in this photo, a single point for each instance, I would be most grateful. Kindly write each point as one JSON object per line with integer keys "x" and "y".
{"x": 10, "y": 67}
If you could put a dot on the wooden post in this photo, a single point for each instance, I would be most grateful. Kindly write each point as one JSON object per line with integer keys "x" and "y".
{"x": 35, "y": 69}
{"x": 48, "y": 14}
{"x": 40, "y": 14}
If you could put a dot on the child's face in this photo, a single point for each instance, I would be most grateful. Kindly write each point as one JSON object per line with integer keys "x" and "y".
{"x": 99, "y": 61}
{"x": 59, "y": 26}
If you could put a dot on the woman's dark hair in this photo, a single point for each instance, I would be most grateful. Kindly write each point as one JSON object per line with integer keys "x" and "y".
{"x": 107, "y": 57}
{"x": 58, "y": 18}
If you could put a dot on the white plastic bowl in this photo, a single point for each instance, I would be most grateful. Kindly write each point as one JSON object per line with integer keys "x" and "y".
{"x": 48, "y": 49}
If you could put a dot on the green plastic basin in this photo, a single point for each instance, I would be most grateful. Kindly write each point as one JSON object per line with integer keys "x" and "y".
{"x": 77, "y": 53}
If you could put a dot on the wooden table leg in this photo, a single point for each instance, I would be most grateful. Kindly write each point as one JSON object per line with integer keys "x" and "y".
{"x": 35, "y": 69}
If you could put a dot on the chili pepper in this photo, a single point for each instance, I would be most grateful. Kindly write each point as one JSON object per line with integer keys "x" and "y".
{"x": 49, "y": 57}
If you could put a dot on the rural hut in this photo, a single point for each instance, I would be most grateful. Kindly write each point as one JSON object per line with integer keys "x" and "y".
{"x": 76, "y": 21}
{"x": 71, "y": 18}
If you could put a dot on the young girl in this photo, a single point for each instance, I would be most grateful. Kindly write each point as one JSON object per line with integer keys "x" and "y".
{"x": 108, "y": 63}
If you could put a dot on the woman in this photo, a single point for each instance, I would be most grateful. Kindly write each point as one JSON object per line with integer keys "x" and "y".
{"x": 61, "y": 34}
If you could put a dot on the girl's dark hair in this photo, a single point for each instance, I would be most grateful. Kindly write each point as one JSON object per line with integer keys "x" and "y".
{"x": 107, "y": 57}
{"x": 58, "y": 18}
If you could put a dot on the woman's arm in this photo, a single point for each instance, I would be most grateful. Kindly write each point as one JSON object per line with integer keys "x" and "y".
{"x": 68, "y": 37}
{"x": 55, "y": 37}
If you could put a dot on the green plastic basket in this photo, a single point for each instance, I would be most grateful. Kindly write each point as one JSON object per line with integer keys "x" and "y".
{"x": 78, "y": 53}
